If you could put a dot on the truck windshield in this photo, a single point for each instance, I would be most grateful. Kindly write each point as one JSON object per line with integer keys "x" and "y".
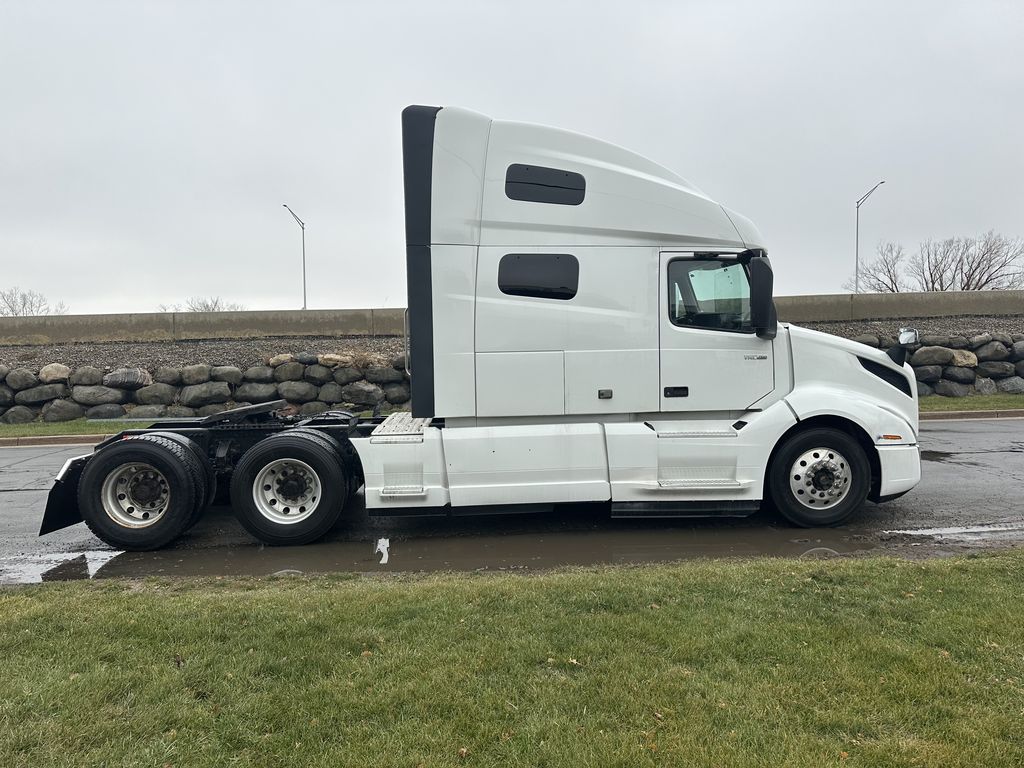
{"x": 709, "y": 293}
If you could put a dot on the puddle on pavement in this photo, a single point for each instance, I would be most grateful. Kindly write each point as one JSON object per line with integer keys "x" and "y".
{"x": 509, "y": 552}
{"x": 989, "y": 532}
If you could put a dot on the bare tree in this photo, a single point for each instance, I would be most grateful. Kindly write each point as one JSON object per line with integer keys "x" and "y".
{"x": 203, "y": 304}
{"x": 987, "y": 263}
{"x": 15, "y": 302}
{"x": 884, "y": 274}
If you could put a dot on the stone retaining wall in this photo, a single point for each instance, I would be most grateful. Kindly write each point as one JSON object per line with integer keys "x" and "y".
{"x": 310, "y": 383}
{"x": 958, "y": 366}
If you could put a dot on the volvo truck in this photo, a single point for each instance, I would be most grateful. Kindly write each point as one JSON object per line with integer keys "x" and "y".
{"x": 583, "y": 325}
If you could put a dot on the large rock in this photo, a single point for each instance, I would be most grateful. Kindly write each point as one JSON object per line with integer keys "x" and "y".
{"x": 40, "y": 394}
{"x": 167, "y": 375}
{"x": 277, "y": 360}
{"x": 313, "y": 408}
{"x": 156, "y": 394}
{"x": 362, "y": 393}
{"x": 98, "y": 395}
{"x": 932, "y": 356}
{"x": 995, "y": 369}
{"x": 960, "y": 375}
{"x": 54, "y": 373}
{"x": 6, "y": 396}
{"x": 1017, "y": 353}
{"x": 262, "y": 374}
{"x": 864, "y": 338}
{"x": 331, "y": 393}
{"x": 964, "y": 358}
{"x": 19, "y": 414}
{"x": 307, "y": 358}
{"x": 994, "y": 350}
{"x": 331, "y": 360}
{"x": 396, "y": 394}
{"x": 195, "y": 374}
{"x": 1002, "y": 338}
{"x": 928, "y": 373}
{"x": 979, "y": 340}
{"x": 211, "y": 410}
{"x": 148, "y": 412}
{"x": 255, "y": 392}
{"x": 1019, "y": 367}
{"x": 923, "y": 390}
{"x": 207, "y": 393}
{"x": 953, "y": 389}
{"x": 318, "y": 374}
{"x": 128, "y": 378}
{"x": 105, "y": 411}
{"x": 398, "y": 362}
{"x": 86, "y": 376}
{"x": 180, "y": 411}
{"x": 297, "y": 391}
{"x": 1012, "y": 386}
{"x": 62, "y": 410}
{"x": 228, "y": 373}
{"x": 983, "y": 386}
{"x": 21, "y": 378}
{"x": 347, "y": 374}
{"x": 958, "y": 342}
{"x": 934, "y": 341}
{"x": 4, "y": 370}
{"x": 381, "y": 375}
{"x": 289, "y": 372}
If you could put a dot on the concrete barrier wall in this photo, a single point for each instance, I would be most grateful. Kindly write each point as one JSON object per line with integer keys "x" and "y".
{"x": 880, "y": 306}
{"x": 337, "y": 323}
{"x": 190, "y": 326}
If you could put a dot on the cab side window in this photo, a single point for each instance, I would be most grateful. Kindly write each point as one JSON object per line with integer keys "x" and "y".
{"x": 709, "y": 293}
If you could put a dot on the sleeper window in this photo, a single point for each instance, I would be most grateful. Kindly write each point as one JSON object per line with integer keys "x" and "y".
{"x": 539, "y": 275}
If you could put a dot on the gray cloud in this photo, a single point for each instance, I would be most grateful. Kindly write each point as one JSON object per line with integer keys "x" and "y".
{"x": 146, "y": 148}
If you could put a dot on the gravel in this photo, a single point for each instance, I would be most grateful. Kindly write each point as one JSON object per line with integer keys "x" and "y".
{"x": 241, "y": 353}
{"x": 942, "y": 326}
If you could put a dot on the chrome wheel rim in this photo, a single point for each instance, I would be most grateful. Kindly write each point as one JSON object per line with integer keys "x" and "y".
{"x": 286, "y": 491}
{"x": 820, "y": 478}
{"x": 135, "y": 495}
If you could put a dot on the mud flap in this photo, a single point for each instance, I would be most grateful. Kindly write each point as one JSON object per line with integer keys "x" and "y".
{"x": 62, "y": 503}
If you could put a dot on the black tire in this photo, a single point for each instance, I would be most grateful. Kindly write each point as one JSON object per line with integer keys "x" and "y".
{"x": 199, "y": 467}
{"x": 796, "y": 494}
{"x": 171, "y": 460}
{"x": 346, "y": 452}
{"x": 266, "y": 519}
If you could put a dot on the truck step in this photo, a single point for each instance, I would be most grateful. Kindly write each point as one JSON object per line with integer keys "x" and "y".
{"x": 693, "y": 433}
{"x": 700, "y": 482}
{"x": 402, "y": 491}
{"x": 399, "y": 427}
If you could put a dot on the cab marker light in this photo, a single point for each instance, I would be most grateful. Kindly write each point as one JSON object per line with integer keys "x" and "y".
{"x": 890, "y": 437}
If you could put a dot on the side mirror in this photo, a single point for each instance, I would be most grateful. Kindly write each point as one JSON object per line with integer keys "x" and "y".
{"x": 762, "y": 306}
{"x": 908, "y": 337}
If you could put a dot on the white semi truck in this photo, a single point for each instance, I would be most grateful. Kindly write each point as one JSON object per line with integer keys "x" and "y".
{"x": 583, "y": 326}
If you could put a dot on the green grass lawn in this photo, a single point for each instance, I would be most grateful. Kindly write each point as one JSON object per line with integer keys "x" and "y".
{"x": 876, "y": 662}
{"x": 76, "y": 427}
{"x": 1001, "y": 402}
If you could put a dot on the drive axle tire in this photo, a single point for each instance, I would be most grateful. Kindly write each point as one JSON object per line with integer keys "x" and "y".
{"x": 819, "y": 477}
{"x": 138, "y": 494}
{"x": 289, "y": 488}
{"x": 199, "y": 467}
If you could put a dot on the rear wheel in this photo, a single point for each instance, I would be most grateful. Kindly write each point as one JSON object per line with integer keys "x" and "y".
{"x": 199, "y": 466}
{"x": 819, "y": 477}
{"x": 289, "y": 488}
{"x": 138, "y": 494}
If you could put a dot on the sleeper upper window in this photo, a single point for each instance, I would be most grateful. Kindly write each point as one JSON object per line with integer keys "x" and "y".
{"x": 540, "y": 275}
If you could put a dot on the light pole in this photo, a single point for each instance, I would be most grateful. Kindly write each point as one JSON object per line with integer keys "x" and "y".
{"x": 856, "y": 263}
{"x": 302, "y": 226}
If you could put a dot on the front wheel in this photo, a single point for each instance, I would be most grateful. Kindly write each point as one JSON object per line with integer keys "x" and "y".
{"x": 819, "y": 477}
{"x": 289, "y": 488}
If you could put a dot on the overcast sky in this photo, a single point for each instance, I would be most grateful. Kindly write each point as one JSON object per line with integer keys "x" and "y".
{"x": 146, "y": 147}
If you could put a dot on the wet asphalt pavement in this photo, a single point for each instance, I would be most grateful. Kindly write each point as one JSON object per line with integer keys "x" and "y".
{"x": 971, "y": 498}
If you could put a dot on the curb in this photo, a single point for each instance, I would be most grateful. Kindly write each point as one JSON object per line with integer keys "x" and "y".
{"x": 1012, "y": 413}
{"x": 21, "y": 442}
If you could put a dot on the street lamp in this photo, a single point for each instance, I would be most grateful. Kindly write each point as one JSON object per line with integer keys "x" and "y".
{"x": 302, "y": 226}
{"x": 856, "y": 267}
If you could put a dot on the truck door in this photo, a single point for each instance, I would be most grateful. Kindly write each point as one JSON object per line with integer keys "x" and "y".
{"x": 711, "y": 359}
